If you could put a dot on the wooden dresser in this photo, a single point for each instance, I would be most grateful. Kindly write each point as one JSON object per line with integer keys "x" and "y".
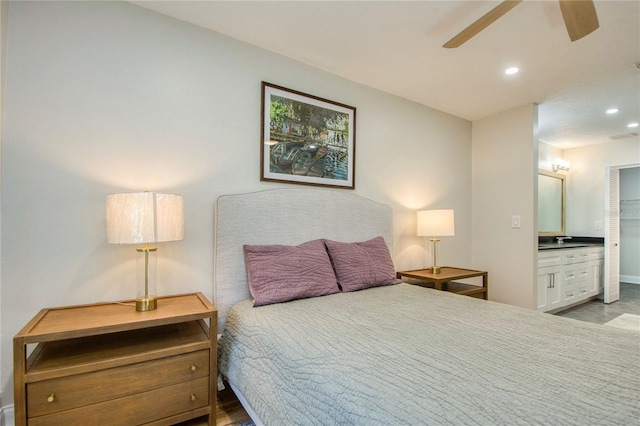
{"x": 109, "y": 364}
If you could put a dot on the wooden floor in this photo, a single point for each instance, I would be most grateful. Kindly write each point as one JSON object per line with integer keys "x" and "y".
{"x": 229, "y": 412}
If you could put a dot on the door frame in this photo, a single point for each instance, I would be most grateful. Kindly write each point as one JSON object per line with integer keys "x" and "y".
{"x": 612, "y": 232}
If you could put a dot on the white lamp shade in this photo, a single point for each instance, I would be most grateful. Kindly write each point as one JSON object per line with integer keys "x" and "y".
{"x": 144, "y": 217}
{"x": 436, "y": 223}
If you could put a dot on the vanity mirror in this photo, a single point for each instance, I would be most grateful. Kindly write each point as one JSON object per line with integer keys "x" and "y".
{"x": 551, "y": 203}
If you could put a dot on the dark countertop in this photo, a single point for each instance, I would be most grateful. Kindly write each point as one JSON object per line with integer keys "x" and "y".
{"x": 550, "y": 243}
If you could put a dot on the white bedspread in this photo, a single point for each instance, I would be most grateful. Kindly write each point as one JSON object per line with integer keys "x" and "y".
{"x": 408, "y": 355}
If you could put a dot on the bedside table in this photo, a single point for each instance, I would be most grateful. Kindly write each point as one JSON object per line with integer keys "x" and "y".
{"x": 444, "y": 280}
{"x": 106, "y": 363}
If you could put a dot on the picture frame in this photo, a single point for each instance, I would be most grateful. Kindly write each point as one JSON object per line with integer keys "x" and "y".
{"x": 306, "y": 139}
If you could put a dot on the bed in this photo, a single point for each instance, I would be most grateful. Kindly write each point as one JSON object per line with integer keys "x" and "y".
{"x": 399, "y": 354}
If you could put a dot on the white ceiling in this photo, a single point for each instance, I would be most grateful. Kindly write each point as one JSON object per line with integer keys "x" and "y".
{"x": 396, "y": 47}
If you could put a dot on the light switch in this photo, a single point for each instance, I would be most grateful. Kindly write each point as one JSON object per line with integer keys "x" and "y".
{"x": 515, "y": 222}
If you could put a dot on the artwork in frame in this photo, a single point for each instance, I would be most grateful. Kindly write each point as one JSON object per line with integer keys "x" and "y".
{"x": 306, "y": 139}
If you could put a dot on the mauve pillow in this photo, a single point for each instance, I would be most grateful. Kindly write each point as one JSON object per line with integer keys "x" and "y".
{"x": 362, "y": 265}
{"x": 278, "y": 273}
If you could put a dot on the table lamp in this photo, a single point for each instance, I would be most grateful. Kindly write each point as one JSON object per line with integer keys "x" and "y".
{"x": 435, "y": 223}
{"x": 143, "y": 218}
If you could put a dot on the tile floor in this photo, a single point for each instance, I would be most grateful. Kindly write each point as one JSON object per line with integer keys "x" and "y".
{"x": 598, "y": 312}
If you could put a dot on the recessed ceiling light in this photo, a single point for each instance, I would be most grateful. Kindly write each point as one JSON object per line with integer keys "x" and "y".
{"x": 512, "y": 70}
{"x": 612, "y": 110}
{"x": 631, "y": 125}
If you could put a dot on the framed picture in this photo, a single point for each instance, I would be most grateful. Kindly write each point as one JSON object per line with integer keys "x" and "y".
{"x": 306, "y": 139}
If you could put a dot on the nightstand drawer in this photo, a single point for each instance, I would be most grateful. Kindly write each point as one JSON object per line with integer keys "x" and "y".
{"x": 135, "y": 409}
{"x": 51, "y": 396}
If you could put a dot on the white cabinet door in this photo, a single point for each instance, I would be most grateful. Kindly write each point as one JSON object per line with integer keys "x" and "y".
{"x": 596, "y": 281}
{"x": 549, "y": 289}
{"x": 543, "y": 285}
{"x": 555, "y": 292}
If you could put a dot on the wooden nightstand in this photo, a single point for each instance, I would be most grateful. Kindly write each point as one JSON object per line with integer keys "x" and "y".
{"x": 108, "y": 364}
{"x": 444, "y": 280}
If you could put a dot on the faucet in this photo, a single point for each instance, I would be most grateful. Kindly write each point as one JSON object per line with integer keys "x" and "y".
{"x": 561, "y": 239}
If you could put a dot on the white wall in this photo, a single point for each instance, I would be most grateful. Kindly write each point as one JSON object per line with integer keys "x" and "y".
{"x": 504, "y": 170}
{"x": 585, "y": 182}
{"x": 585, "y": 195}
{"x": 105, "y": 97}
{"x": 547, "y": 154}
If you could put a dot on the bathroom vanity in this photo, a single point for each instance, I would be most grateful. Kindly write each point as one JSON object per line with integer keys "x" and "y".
{"x": 568, "y": 274}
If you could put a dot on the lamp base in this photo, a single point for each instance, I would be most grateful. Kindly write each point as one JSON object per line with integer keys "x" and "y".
{"x": 146, "y": 304}
{"x": 435, "y": 269}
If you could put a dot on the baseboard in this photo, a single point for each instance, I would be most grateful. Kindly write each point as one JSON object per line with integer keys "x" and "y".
{"x": 631, "y": 279}
{"x": 573, "y": 305}
{"x": 6, "y": 416}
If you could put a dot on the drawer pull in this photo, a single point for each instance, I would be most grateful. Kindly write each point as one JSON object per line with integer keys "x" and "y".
{"x": 193, "y": 367}
{"x": 51, "y": 398}
{"x": 193, "y": 397}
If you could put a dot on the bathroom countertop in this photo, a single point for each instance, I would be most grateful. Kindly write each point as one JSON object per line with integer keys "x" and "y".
{"x": 575, "y": 242}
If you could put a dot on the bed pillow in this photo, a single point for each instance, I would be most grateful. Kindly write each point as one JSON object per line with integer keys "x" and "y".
{"x": 362, "y": 265}
{"x": 278, "y": 273}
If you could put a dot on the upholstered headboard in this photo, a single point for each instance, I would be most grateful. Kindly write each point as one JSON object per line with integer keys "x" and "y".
{"x": 290, "y": 217}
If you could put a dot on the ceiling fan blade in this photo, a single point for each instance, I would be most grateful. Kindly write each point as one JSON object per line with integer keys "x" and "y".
{"x": 482, "y": 23}
{"x": 580, "y": 17}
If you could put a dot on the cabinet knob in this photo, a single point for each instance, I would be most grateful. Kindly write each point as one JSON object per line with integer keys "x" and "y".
{"x": 193, "y": 397}
{"x": 51, "y": 398}
{"x": 193, "y": 367}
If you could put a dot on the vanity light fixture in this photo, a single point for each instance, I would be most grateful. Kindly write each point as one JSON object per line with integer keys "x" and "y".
{"x": 143, "y": 218}
{"x": 561, "y": 165}
{"x": 435, "y": 223}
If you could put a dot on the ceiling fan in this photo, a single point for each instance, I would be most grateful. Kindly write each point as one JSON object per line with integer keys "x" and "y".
{"x": 579, "y": 16}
